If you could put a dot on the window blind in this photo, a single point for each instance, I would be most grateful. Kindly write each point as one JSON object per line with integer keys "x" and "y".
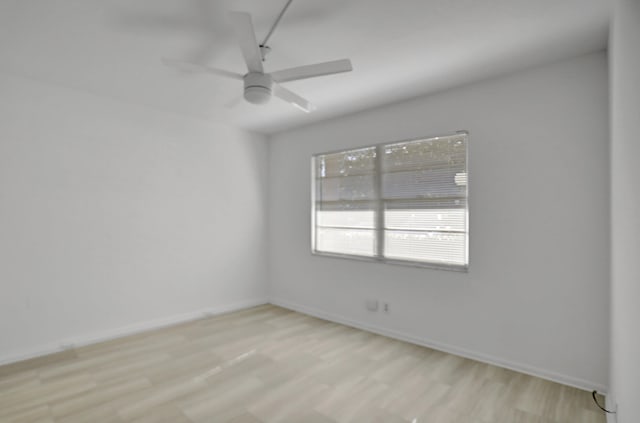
{"x": 404, "y": 201}
{"x": 346, "y": 202}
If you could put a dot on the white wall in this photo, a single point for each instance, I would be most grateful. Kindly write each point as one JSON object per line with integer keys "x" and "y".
{"x": 625, "y": 212}
{"x": 537, "y": 293}
{"x": 115, "y": 217}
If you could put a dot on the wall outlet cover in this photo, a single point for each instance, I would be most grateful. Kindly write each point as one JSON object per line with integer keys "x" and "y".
{"x": 372, "y": 305}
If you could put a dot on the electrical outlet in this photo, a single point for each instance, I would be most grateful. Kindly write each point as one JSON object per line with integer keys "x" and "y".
{"x": 372, "y": 305}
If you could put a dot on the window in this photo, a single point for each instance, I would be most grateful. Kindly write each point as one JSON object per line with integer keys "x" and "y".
{"x": 402, "y": 202}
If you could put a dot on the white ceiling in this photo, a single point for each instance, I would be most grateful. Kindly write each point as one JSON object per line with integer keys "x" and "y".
{"x": 399, "y": 49}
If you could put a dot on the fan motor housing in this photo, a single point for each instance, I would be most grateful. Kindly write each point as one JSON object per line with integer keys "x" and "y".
{"x": 257, "y": 87}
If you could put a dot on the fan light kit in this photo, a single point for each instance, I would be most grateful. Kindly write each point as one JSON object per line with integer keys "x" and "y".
{"x": 259, "y": 86}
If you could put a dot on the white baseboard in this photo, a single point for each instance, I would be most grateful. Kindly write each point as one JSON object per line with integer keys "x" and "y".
{"x": 80, "y": 341}
{"x": 519, "y": 367}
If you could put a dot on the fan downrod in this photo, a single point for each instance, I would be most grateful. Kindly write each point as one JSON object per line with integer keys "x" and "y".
{"x": 264, "y": 50}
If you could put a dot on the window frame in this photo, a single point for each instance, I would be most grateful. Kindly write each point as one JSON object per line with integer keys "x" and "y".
{"x": 379, "y": 215}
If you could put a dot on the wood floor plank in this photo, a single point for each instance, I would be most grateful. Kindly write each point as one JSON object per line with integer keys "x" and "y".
{"x": 271, "y": 365}
{"x": 37, "y": 362}
{"x": 100, "y": 394}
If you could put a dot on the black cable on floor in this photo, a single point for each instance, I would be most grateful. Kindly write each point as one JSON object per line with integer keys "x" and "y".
{"x": 593, "y": 394}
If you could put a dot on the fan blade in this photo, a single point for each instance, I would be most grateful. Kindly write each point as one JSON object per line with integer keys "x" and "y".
{"x": 311, "y": 71}
{"x": 293, "y": 98}
{"x": 193, "y": 67}
{"x": 243, "y": 28}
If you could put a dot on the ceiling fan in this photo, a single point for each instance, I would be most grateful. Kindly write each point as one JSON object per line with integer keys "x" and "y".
{"x": 260, "y": 86}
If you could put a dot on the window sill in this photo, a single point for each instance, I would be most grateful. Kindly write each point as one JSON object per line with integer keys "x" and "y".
{"x": 408, "y": 263}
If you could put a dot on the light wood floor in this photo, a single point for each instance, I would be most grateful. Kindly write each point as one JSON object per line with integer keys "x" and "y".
{"x": 268, "y": 364}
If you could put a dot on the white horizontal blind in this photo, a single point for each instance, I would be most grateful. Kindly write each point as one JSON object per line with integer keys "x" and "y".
{"x": 424, "y": 193}
{"x": 404, "y": 201}
{"x": 345, "y": 202}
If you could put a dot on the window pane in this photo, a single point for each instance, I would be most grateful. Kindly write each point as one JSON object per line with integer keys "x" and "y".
{"x": 424, "y": 191}
{"x": 433, "y": 153}
{"x": 346, "y": 219}
{"x": 345, "y": 202}
{"x": 427, "y": 219}
{"x": 425, "y": 183}
{"x": 360, "y": 242}
{"x": 416, "y": 190}
{"x": 358, "y": 187}
{"x": 345, "y": 163}
{"x": 432, "y": 247}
